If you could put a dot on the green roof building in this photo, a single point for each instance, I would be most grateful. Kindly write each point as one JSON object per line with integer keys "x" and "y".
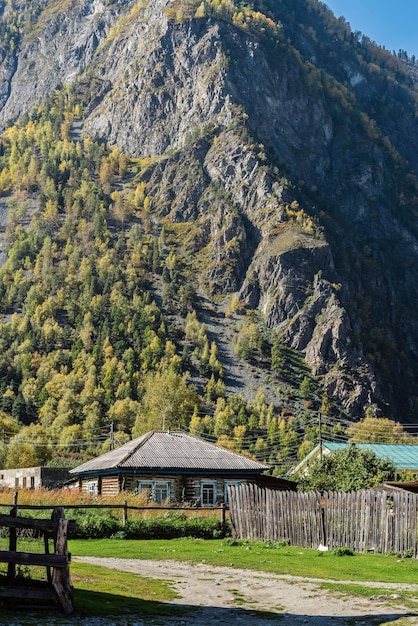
{"x": 403, "y": 455}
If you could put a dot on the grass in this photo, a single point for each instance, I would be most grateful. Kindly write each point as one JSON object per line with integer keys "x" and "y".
{"x": 239, "y": 598}
{"x": 409, "y": 598}
{"x": 102, "y": 591}
{"x": 70, "y": 499}
{"x": 257, "y": 556}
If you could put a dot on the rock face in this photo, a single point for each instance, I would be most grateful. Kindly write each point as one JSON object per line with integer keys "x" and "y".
{"x": 53, "y": 45}
{"x": 300, "y": 185}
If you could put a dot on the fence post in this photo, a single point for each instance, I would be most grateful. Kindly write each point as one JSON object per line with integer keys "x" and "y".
{"x": 223, "y": 518}
{"x": 15, "y": 503}
{"x": 61, "y": 576}
{"x": 323, "y": 525}
{"x": 11, "y": 568}
{"x": 125, "y": 513}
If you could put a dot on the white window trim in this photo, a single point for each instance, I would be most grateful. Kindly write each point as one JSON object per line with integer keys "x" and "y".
{"x": 91, "y": 487}
{"x": 214, "y": 484}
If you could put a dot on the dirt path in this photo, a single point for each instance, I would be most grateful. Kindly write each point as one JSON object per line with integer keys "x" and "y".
{"x": 222, "y": 595}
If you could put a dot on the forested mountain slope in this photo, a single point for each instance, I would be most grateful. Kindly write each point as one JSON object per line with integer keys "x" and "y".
{"x": 189, "y": 161}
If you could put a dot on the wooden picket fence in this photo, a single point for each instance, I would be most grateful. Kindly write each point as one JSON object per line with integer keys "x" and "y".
{"x": 373, "y": 520}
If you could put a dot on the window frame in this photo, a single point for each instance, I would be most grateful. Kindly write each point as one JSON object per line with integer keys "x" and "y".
{"x": 204, "y": 485}
{"x": 154, "y": 487}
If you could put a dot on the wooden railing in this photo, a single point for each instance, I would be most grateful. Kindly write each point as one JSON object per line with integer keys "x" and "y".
{"x": 58, "y": 586}
{"x": 221, "y": 510}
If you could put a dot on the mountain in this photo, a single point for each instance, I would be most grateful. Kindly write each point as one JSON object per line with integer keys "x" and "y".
{"x": 277, "y": 152}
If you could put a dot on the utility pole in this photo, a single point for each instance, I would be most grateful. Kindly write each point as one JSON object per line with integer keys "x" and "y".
{"x": 112, "y": 439}
{"x": 320, "y": 435}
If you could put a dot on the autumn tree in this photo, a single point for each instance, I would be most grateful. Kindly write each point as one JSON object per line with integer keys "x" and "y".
{"x": 29, "y": 448}
{"x": 378, "y": 430}
{"x": 168, "y": 400}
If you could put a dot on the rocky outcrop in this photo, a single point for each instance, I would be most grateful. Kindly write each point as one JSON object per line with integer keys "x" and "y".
{"x": 55, "y": 46}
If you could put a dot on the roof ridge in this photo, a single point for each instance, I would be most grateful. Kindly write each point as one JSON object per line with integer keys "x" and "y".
{"x": 143, "y": 439}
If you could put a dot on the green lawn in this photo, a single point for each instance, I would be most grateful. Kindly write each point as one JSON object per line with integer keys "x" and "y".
{"x": 258, "y": 556}
{"x": 102, "y": 591}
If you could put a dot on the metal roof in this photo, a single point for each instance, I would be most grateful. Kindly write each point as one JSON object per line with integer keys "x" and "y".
{"x": 403, "y": 455}
{"x": 170, "y": 450}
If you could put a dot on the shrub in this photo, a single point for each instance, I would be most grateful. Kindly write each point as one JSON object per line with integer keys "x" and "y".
{"x": 173, "y": 524}
{"x": 407, "y": 554}
{"x": 276, "y": 544}
{"x": 230, "y": 541}
{"x": 96, "y": 525}
{"x": 344, "y": 551}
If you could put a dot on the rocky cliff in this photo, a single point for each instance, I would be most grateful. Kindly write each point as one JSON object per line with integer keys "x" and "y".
{"x": 291, "y": 153}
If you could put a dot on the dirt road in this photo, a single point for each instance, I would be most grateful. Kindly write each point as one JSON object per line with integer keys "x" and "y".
{"x": 222, "y": 595}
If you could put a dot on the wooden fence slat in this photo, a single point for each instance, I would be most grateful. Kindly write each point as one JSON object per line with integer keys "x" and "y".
{"x": 61, "y": 577}
{"x": 11, "y": 568}
{"x": 282, "y": 502}
{"x": 34, "y": 524}
{"x": 28, "y": 593}
{"x": 28, "y": 558}
{"x": 362, "y": 520}
{"x": 59, "y": 581}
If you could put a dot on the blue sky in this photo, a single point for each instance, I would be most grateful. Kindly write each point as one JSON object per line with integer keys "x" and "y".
{"x": 390, "y": 23}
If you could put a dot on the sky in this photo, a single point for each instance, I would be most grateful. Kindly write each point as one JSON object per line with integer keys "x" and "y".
{"x": 390, "y": 23}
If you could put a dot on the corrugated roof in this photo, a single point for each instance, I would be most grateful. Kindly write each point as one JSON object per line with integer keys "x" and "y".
{"x": 170, "y": 450}
{"x": 403, "y": 455}
{"x": 111, "y": 459}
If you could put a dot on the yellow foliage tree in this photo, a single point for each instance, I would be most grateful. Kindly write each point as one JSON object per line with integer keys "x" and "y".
{"x": 378, "y": 430}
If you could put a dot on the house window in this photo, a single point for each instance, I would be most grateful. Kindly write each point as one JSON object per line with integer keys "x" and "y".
{"x": 91, "y": 488}
{"x": 227, "y": 483}
{"x": 145, "y": 486}
{"x": 208, "y": 493}
{"x": 158, "y": 490}
{"x": 32, "y": 482}
{"x": 24, "y": 482}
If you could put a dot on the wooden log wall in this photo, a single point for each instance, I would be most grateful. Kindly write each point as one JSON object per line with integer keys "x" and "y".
{"x": 365, "y": 521}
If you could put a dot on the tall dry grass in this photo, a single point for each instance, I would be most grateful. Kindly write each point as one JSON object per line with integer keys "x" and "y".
{"x": 71, "y": 498}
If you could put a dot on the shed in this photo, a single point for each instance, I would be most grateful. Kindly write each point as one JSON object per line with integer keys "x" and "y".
{"x": 33, "y": 477}
{"x": 172, "y": 467}
{"x": 411, "y": 485}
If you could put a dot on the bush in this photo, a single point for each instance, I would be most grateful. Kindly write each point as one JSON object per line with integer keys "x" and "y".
{"x": 276, "y": 544}
{"x": 344, "y": 551}
{"x": 96, "y": 526}
{"x": 230, "y": 541}
{"x": 173, "y": 524}
{"x": 407, "y": 554}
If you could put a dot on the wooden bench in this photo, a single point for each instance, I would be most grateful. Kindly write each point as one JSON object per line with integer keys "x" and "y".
{"x": 58, "y": 587}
